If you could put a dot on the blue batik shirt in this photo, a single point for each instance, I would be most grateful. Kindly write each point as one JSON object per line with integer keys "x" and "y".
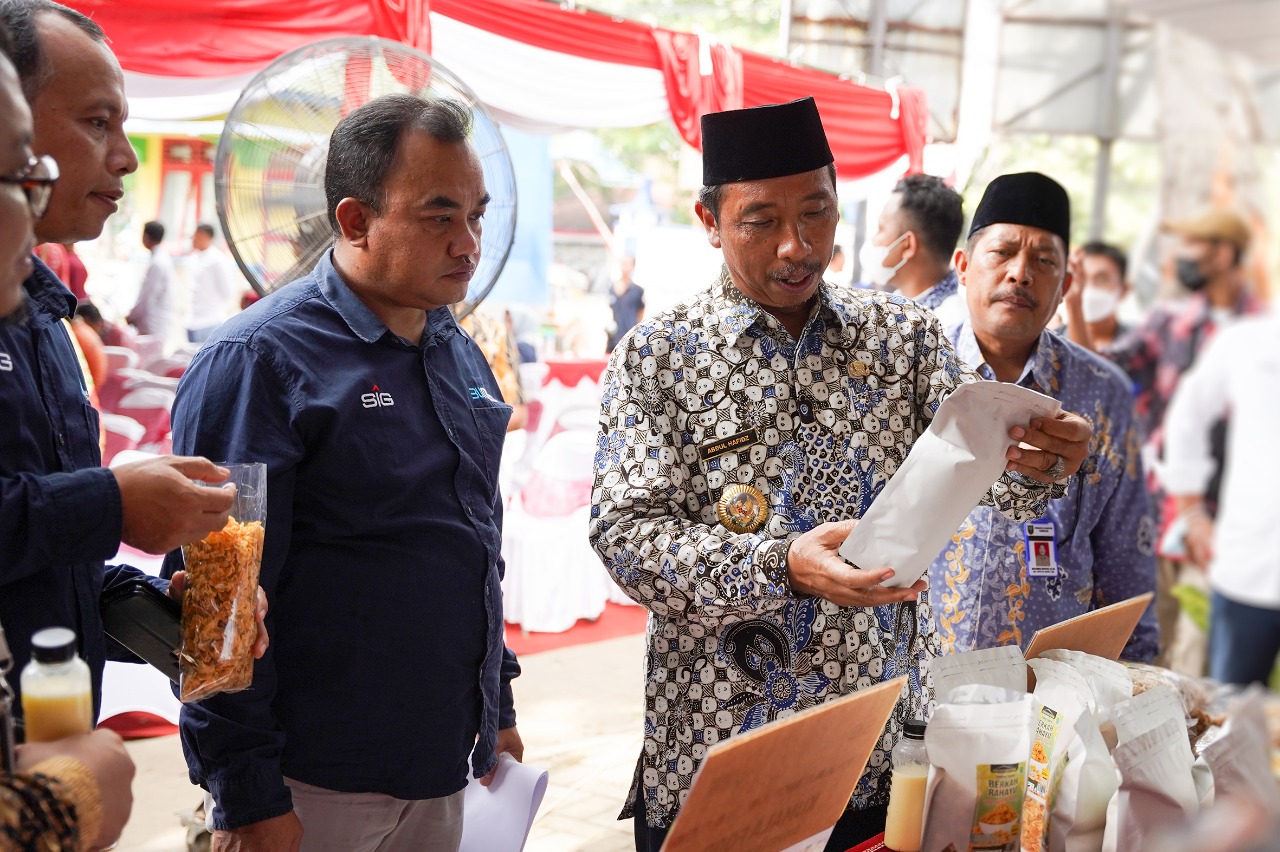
{"x": 980, "y": 587}
{"x": 712, "y": 395}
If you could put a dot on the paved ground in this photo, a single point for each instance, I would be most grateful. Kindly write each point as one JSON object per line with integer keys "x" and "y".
{"x": 580, "y": 713}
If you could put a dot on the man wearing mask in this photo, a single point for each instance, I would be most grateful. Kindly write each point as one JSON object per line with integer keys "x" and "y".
{"x": 996, "y": 584}
{"x": 1095, "y": 325}
{"x": 911, "y": 248}
{"x": 1209, "y": 265}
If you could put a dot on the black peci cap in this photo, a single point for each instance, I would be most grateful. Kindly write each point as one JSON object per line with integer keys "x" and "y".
{"x": 1026, "y": 198}
{"x": 763, "y": 142}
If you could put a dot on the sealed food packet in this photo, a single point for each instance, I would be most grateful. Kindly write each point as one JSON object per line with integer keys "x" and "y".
{"x": 1108, "y": 682}
{"x": 1239, "y": 757}
{"x": 220, "y": 601}
{"x": 1002, "y": 667}
{"x": 977, "y": 780}
{"x": 1156, "y": 791}
{"x": 1068, "y": 814}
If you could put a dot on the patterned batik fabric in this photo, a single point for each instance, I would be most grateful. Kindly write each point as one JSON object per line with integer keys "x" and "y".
{"x": 498, "y": 344}
{"x": 818, "y": 426}
{"x": 981, "y": 592}
{"x": 937, "y": 294}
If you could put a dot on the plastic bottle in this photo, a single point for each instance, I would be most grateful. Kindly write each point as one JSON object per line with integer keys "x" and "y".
{"x": 57, "y": 696}
{"x": 905, "y": 822}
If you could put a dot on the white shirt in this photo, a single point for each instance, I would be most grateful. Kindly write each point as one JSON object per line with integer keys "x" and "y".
{"x": 212, "y": 289}
{"x": 153, "y": 311}
{"x": 1239, "y": 372}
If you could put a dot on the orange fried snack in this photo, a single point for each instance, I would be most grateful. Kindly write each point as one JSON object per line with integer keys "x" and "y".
{"x": 1002, "y": 814}
{"x": 218, "y": 608}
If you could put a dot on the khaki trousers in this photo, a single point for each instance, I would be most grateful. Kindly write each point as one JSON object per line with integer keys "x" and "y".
{"x": 374, "y": 822}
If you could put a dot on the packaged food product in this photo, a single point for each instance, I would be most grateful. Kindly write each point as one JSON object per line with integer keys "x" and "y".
{"x": 1239, "y": 757}
{"x": 978, "y": 744}
{"x": 1156, "y": 791}
{"x": 1109, "y": 684}
{"x": 1197, "y": 702}
{"x": 1068, "y": 814}
{"x": 1003, "y": 667}
{"x": 218, "y": 608}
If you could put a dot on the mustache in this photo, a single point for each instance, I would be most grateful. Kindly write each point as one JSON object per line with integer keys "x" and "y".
{"x": 796, "y": 270}
{"x": 1022, "y": 294}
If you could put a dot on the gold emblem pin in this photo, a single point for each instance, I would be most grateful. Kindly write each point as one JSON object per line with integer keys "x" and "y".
{"x": 742, "y": 508}
{"x": 859, "y": 369}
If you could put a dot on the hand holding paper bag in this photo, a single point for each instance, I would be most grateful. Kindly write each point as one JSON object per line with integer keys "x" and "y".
{"x": 970, "y": 442}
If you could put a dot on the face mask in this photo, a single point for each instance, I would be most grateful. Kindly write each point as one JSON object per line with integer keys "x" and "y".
{"x": 872, "y": 258}
{"x": 1098, "y": 303}
{"x": 1190, "y": 275}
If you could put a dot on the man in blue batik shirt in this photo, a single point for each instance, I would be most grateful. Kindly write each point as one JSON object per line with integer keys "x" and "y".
{"x": 387, "y": 682}
{"x": 999, "y": 581}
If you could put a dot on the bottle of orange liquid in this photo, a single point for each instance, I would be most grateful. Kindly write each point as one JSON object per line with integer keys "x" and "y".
{"x": 57, "y": 697}
{"x": 905, "y": 821}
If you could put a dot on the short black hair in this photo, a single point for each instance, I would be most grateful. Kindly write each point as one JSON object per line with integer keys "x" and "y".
{"x": 363, "y": 145}
{"x": 935, "y": 212}
{"x": 710, "y": 196}
{"x": 153, "y": 231}
{"x": 6, "y": 42}
{"x": 89, "y": 312}
{"x": 1110, "y": 252}
{"x": 206, "y": 229}
{"x": 20, "y": 16}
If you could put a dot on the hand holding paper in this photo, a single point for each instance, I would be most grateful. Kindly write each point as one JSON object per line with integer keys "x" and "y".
{"x": 815, "y": 568}
{"x": 952, "y": 466}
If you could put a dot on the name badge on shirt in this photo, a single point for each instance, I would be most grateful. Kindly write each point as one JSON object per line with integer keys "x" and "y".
{"x": 1042, "y": 549}
{"x": 720, "y": 446}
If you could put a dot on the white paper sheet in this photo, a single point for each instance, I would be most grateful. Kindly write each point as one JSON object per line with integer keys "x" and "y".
{"x": 497, "y": 818}
{"x": 953, "y": 464}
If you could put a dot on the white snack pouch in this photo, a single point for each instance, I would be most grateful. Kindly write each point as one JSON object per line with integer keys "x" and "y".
{"x": 1156, "y": 792}
{"x": 1147, "y": 710}
{"x": 978, "y": 744}
{"x": 1240, "y": 759}
{"x": 1082, "y": 778}
{"x": 1002, "y": 667}
{"x": 1109, "y": 684}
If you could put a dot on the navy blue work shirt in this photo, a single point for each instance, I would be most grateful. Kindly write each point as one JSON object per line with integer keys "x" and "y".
{"x": 382, "y": 561}
{"x": 60, "y": 510}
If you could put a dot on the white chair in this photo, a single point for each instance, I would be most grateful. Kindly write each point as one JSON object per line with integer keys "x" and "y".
{"x": 553, "y": 576}
{"x": 119, "y": 357}
{"x": 122, "y": 435}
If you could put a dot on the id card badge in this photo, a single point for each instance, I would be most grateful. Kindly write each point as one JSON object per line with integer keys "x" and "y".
{"x": 1042, "y": 549}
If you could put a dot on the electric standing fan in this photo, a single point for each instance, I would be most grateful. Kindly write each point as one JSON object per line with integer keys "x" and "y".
{"x": 269, "y": 168}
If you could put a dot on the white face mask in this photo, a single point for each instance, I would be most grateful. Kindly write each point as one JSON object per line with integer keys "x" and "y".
{"x": 1098, "y": 303}
{"x": 872, "y": 258}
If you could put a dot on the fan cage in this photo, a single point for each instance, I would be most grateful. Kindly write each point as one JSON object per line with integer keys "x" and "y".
{"x": 269, "y": 166}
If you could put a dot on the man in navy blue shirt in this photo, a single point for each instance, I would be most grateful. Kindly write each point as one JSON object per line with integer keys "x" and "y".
{"x": 381, "y": 427}
{"x": 61, "y": 512}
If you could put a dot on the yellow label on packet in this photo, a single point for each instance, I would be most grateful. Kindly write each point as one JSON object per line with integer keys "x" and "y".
{"x": 998, "y": 814}
{"x": 1040, "y": 786}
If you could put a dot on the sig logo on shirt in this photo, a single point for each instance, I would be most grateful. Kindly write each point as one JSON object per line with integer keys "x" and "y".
{"x": 6, "y": 363}
{"x": 481, "y": 393}
{"x": 377, "y": 398}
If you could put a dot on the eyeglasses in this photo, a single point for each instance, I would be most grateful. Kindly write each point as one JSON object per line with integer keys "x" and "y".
{"x": 36, "y": 180}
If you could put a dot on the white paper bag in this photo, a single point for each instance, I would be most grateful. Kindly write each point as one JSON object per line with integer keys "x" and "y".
{"x": 949, "y": 469}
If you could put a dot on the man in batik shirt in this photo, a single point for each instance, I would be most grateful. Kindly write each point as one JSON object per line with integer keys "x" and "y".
{"x": 999, "y": 580}
{"x": 742, "y": 432}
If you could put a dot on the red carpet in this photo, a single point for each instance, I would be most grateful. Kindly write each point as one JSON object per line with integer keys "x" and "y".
{"x": 616, "y": 620}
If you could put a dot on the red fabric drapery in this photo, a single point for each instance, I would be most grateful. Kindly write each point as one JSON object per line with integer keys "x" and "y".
{"x": 222, "y": 38}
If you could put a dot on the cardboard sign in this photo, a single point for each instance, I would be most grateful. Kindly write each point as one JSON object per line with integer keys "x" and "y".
{"x": 1103, "y": 632}
{"x": 785, "y": 782}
